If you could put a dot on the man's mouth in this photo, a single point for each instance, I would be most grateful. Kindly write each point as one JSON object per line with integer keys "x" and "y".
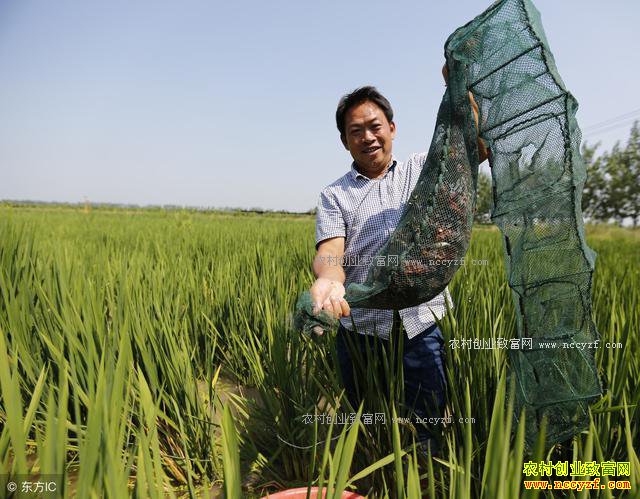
{"x": 371, "y": 150}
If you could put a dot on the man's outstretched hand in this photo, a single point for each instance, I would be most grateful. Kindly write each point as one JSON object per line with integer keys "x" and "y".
{"x": 328, "y": 295}
{"x": 483, "y": 153}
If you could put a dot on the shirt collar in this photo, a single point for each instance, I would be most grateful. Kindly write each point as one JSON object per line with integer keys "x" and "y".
{"x": 355, "y": 173}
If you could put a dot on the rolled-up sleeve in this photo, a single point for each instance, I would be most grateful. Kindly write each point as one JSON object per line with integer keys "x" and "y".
{"x": 329, "y": 218}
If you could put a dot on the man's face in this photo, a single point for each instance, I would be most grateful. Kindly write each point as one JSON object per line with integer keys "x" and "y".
{"x": 368, "y": 137}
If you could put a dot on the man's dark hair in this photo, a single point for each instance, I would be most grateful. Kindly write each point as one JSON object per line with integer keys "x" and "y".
{"x": 358, "y": 96}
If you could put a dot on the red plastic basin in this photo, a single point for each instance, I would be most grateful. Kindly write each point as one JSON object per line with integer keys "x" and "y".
{"x": 301, "y": 493}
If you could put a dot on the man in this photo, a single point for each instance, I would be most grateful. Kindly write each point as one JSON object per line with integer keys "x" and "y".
{"x": 355, "y": 217}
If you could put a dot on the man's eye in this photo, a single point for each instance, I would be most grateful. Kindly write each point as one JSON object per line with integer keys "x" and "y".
{"x": 377, "y": 127}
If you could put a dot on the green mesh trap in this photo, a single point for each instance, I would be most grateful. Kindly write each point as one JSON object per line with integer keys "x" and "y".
{"x": 527, "y": 120}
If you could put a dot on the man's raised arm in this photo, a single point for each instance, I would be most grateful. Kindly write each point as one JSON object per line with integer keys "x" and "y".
{"x": 483, "y": 152}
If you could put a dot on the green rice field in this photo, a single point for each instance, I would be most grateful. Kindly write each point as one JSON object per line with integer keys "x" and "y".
{"x": 150, "y": 353}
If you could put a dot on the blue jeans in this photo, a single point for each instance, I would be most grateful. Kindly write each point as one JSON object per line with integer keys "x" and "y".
{"x": 423, "y": 367}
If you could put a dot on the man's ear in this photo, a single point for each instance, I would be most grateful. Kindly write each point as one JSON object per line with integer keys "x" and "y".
{"x": 392, "y": 126}
{"x": 344, "y": 141}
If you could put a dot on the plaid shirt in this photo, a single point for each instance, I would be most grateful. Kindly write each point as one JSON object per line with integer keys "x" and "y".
{"x": 365, "y": 212}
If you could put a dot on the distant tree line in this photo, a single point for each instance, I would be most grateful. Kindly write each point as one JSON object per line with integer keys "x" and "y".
{"x": 611, "y": 191}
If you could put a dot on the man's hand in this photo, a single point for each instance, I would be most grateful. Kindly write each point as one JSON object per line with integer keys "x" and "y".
{"x": 328, "y": 295}
{"x": 483, "y": 153}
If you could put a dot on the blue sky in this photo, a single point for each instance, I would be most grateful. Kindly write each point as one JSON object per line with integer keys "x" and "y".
{"x": 232, "y": 104}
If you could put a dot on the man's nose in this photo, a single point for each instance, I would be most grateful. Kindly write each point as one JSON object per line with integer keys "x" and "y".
{"x": 369, "y": 136}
